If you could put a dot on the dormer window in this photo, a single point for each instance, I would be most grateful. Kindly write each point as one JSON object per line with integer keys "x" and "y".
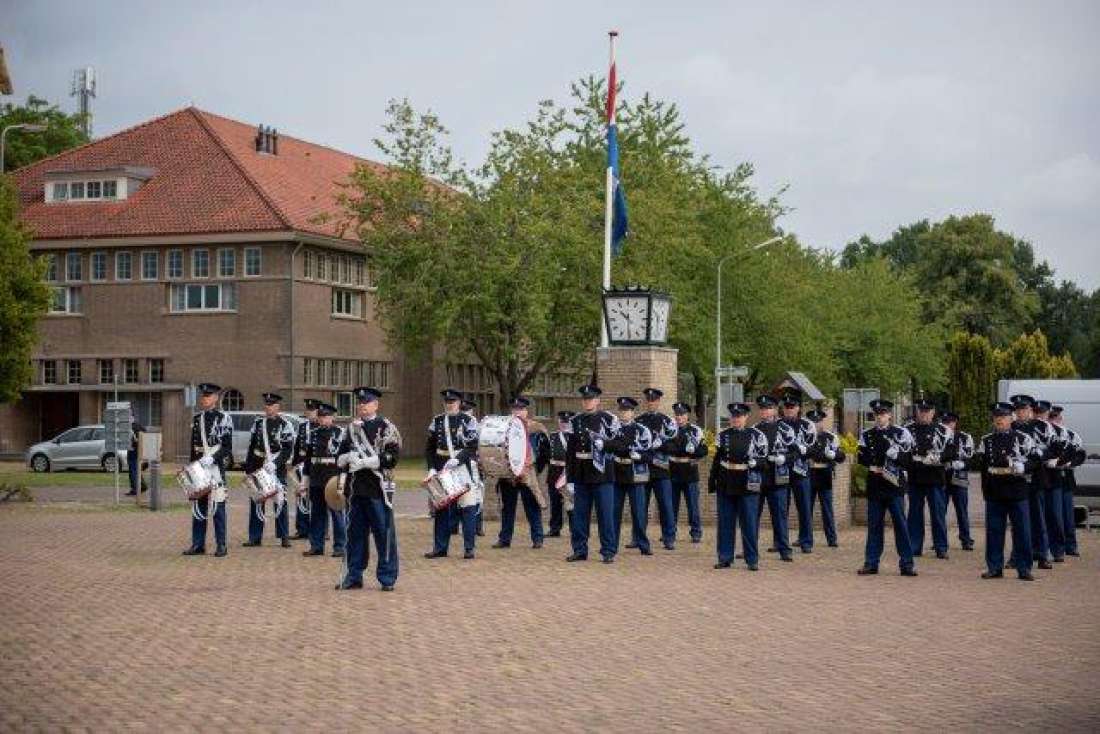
{"x": 103, "y": 185}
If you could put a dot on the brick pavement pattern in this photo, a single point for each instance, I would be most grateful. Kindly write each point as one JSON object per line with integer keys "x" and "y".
{"x": 104, "y": 626}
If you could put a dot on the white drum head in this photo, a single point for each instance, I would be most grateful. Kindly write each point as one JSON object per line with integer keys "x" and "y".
{"x": 517, "y": 446}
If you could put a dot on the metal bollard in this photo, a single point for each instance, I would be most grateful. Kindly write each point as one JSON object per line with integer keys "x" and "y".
{"x": 154, "y": 485}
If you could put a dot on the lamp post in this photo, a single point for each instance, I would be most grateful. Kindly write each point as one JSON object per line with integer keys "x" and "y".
{"x": 718, "y": 315}
{"x": 31, "y": 127}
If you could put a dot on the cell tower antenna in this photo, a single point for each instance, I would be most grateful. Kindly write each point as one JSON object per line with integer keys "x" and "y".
{"x": 84, "y": 84}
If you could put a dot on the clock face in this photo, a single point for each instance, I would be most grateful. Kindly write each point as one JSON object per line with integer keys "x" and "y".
{"x": 627, "y": 318}
{"x": 659, "y": 331}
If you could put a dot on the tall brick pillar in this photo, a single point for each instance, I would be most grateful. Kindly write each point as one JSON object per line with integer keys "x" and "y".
{"x": 629, "y": 370}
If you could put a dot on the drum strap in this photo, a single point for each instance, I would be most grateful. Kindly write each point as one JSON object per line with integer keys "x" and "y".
{"x": 267, "y": 443}
{"x": 447, "y": 434}
{"x": 202, "y": 434}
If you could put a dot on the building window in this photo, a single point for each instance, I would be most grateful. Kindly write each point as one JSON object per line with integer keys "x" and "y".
{"x": 227, "y": 263}
{"x": 346, "y": 376}
{"x": 322, "y": 372}
{"x": 252, "y": 264}
{"x": 344, "y": 274}
{"x": 66, "y": 300}
{"x": 360, "y": 268}
{"x": 232, "y": 400}
{"x": 49, "y": 372}
{"x": 347, "y": 303}
{"x": 156, "y": 370}
{"x": 73, "y": 269}
{"x": 322, "y": 266}
{"x": 173, "y": 266}
{"x": 72, "y": 371}
{"x": 307, "y": 371}
{"x": 76, "y": 190}
{"x": 343, "y": 403}
{"x": 61, "y": 191}
{"x": 106, "y": 371}
{"x": 51, "y": 268}
{"x": 370, "y": 276}
{"x": 129, "y": 371}
{"x": 200, "y": 264}
{"x": 204, "y": 297}
{"x": 307, "y": 264}
{"x": 150, "y": 264}
{"x": 99, "y": 266}
{"x": 94, "y": 189}
{"x": 110, "y": 189}
{"x": 544, "y": 407}
{"x": 124, "y": 266}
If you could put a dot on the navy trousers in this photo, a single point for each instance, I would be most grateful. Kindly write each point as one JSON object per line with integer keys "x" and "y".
{"x": 777, "y": 500}
{"x": 877, "y": 507}
{"x": 137, "y": 484}
{"x": 510, "y": 494}
{"x": 198, "y": 527}
{"x": 318, "y": 525}
{"x": 960, "y": 497}
{"x": 1056, "y": 528}
{"x": 734, "y": 510}
{"x": 934, "y": 496}
{"x": 662, "y": 490}
{"x": 603, "y": 497}
{"x": 1069, "y": 523}
{"x": 369, "y": 517}
{"x": 823, "y": 496}
{"x": 1040, "y": 541}
{"x": 804, "y": 504}
{"x": 557, "y": 510}
{"x": 689, "y": 493}
{"x": 465, "y": 517}
{"x": 636, "y": 494}
{"x": 997, "y": 515}
{"x": 301, "y": 520}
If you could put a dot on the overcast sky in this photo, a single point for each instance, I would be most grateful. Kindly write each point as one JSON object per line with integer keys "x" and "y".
{"x": 875, "y": 114}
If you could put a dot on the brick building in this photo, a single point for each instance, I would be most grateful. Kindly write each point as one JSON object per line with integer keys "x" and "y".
{"x": 188, "y": 248}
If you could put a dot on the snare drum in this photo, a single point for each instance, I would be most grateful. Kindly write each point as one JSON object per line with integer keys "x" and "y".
{"x": 448, "y": 486}
{"x": 502, "y": 448}
{"x": 197, "y": 480}
{"x": 263, "y": 485}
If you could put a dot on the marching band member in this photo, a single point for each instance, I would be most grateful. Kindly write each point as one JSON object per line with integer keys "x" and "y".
{"x": 270, "y": 446}
{"x": 1053, "y": 481}
{"x": 932, "y": 449}
{"x": 1040, "y": 433}
{"x": 452, "y": 442}
{"x": 736, "y": 477}
{"x": 591, "y": 474}
{"x": 775, "y": 472}
{"x": 320, "y": 466}
{"x": 662, "y": 429}
{"x": 1004, "y": 457}
{"x": 958, "y": 478}
{"x": 824, "y": 454}
{"x": 1073, "y": 456}
{"x": 885, "y": 450}
{"x": 368, "y": 452}
{"x": 538, "y": 454}
{"x": 630, "y": 448}
{"x": 556, "y": 479}
{"x": 301, "y": 446}
{"x": 800, "y": 486}
{"x": 685, "y": 451}
{"x": 212, "y": 446}
{"x": 469, "y": 405}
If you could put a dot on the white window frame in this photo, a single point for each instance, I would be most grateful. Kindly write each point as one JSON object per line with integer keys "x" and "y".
{"x": 156, "y": 362}
{"x": 233, "y": 263}
{"x": 226, "y": 293}
{"x": 168, "y": 264}
{"x": 49, "y": 365}
{"x": 108, "y": 379}
{"x": 69, "y": 372}
{"x": 195, "y": 261}
{"x": 156, "y": 265}
{"x": 248, "y": 251}
{"x": 72, "y": 301}
{"x": 71, "y": 257}
{"x": 75, "y": 186}
{"x": 307, "y": 264}
{"x": 129, "y": 256}
{"x": 60, "y": 190}
{"x": 127, "y": 363}
{"x": 347, "y": 304}
{"x": 102, "y": 258}
{"x": 53, "y": 265}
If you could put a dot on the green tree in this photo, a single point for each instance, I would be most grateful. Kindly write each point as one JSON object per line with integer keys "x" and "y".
{"x": 971, "y": 379}
{"x": 21, "y": 149}
{"x": 24, "y": 297}
{"x": 1029, "y": 357}
{"x": 1070, "y": 319}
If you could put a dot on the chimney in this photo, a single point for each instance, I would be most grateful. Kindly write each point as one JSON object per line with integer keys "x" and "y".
{"x": 274, "y": 142}
{"x": 259, "y": 138}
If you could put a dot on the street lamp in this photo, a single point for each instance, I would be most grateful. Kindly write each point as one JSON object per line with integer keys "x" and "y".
{"x": 31, "y": 127}
{"x": 718, "y": 316}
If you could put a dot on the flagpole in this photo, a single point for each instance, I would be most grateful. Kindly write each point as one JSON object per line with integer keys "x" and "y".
{"x": 609, "y": 185}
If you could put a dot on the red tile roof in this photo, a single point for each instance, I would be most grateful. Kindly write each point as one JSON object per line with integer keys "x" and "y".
{"x": 208, "y": 179}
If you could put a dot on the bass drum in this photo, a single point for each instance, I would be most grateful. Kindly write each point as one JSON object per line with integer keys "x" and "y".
{"x": 502, "y": 454}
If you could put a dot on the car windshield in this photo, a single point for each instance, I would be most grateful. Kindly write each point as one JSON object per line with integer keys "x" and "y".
{"x": 75, "y": 434}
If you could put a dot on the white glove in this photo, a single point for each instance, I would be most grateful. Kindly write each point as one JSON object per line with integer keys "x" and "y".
{"x": 569, "y": 488}
{"x": 635, "y": 456}
{"x": 431, "y": 473}
{"x": 207, "y": 461}
{"x": 830, "y": 454}
{"x": 778, "y": 459}
{"x": 892, "y": 452}
{"x": 1017, "y": 467}
{"x": 802, "y": 450}
{"x": 750, "y": 463}
{"x": 597, "y": 443}
{"x": 451, "y": 464}
{"x": 958, "y": 465}
{"x": 269, "y": 467}
{"x": 1052, "y": 463}
{"x": 690, "y": 448}
{"x": 371, "y": 462}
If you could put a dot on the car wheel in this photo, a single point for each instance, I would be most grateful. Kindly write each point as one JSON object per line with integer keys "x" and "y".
{"x": 108, "y": 463}
{"x": 40, "y": 463}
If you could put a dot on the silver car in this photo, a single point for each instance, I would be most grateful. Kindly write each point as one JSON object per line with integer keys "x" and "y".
{"x": 82, "y": 447}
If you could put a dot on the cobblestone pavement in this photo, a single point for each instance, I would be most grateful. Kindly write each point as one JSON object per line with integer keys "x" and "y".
{"x": 104, "y": 626}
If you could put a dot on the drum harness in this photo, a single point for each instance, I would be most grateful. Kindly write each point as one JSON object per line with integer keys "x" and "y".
{"x": 280, "y": 498}
{"x": 195, "y": 511}
{"x": 304, "y": 506}
{"x": 363, "y": 446}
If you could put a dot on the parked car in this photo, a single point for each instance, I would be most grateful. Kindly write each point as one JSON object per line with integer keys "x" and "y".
{"x": 242, "y": 429}
{"x": 82, "y": 447}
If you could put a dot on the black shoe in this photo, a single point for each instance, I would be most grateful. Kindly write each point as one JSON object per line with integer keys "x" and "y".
{"x": 338, "y": 553}
{"x": 722, "y": 564}
{"x": 250, "y": 544}
{"x": 754, "y": 567}
{"x": 436, "y": 554}
{"x": 773, "y": 549}
{"x": 1045, "y": 565}
{"x": 1059, "y": 559}
{"x": 993, "y": 575}
{"x": 834, "y": 544}
{"x": 908, "y": 572}
{"x": 968, "y": 546}
{"x": 575, "y": 557}
{"x": 387, "y": 587}
{"x": 631, "y": 545}
{"x": 670, "y": 547}
{"x": 918, "y": 555}
{"x": 312, "y": 552}
{"x": 867, "y": 571}
{"x": 221, "y": 552}
{"x": 942, "y": 555}
{"x": 696, "y": 540}
{"x": 807, "y": 549}
{"x": 299, "y": 536}
{"x": 480, "y": 533}
{"x": 131, "y": 493}
{"x": 345, "y": 584}
{"x": 787, "y": 558}
{"x": 609, "y": 559}
{"x": 194, "y": 551}
{"x": 553, "y": 534}
{"x": 500, "y": 544}
{"x": 646, "y": 551}
{"x": 537, "y": 544}
{"x": 1026, "y": 576}
{"x": 468, "y": 555}
{"x": 738, "y": 556}
{"x": 1073, "y": 553}
{"x": 285, "y": 542}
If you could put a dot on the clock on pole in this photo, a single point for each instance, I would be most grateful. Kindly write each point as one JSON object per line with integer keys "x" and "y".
{"x": 636, "y": 316}
{"x": 637, "y": 355}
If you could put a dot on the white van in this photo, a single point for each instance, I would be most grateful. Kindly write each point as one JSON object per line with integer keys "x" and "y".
{"x": 1081, "y": 400}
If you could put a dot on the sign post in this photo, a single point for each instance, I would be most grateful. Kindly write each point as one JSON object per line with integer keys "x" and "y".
{"x": 116, "y": 434}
